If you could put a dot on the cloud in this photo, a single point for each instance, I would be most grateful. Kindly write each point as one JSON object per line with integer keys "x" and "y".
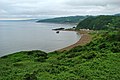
{"x": 94, "y": 7}
{"x": 91, "y": 2}
{"x": 42, "y": 8}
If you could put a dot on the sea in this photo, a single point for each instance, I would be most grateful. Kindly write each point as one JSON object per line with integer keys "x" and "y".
{"x": 18, "y": 36}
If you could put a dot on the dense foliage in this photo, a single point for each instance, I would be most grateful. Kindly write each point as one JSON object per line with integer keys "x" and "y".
{"x": 69, "y": 19}
{"x": 100, "y": 22}
{"x": 98, "y": 60}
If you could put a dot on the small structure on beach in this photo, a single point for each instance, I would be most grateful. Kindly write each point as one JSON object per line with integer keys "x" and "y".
{"x": 84, "y": 29}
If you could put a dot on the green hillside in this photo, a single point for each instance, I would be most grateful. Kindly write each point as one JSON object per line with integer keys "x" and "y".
{"x": 69, "y": 19}
{"x": 98, "y": 60}
{"x": 100, "y": 22}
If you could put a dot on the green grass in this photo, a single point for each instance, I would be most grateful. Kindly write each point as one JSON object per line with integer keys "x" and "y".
{"x": 98, "y": 60}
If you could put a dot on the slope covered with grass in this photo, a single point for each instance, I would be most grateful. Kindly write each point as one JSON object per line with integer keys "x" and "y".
{"x": 98, "y": 60}
{"x": 100, "y": 22}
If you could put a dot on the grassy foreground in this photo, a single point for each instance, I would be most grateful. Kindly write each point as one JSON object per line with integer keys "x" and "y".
{"x": 98, "y": 60}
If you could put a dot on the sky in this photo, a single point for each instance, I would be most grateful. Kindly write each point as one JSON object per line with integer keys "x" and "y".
{"x": 20, "y": 9}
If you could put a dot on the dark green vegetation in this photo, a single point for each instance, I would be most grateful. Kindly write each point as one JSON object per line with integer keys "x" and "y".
{"x": 69, "y": 19}
{"x": 98, "y": 60}
{"x": 100, "y": 22}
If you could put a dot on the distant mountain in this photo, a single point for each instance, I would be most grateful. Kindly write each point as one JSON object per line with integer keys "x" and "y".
{"x": 31, "y": 20}
{"x": 100, "y": 22}
{"x": 69, "y": 19}
{"x": 28, "y": 20}
{"x": 117, "y": 14}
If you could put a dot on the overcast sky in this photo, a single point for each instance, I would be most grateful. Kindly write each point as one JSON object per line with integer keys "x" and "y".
{"x": 51, "y": 8}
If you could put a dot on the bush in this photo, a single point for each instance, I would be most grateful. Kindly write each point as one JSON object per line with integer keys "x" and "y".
{"x": 39, "y": 59}
{"x": 89, "y": 55}
{"x": 18, "y": 64}
{"x": 30, "y": 77}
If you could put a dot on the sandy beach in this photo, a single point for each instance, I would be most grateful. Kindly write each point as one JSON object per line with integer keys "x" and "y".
{"x": 85, "y": 38}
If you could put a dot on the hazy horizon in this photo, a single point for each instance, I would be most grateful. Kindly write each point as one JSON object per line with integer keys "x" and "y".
{"x": 46, "y": 17}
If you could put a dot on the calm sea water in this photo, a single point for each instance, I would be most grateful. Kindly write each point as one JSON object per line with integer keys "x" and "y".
{"x": 21, "y": 36}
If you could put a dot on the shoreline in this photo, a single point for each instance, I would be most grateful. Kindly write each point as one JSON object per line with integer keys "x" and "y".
{"x": 84, "y": 39}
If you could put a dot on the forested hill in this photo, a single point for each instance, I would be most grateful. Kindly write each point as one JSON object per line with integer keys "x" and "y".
{"x": 117, "y": 14}
{"x": 100, "y": 22}
{"x": 69, "y": 19}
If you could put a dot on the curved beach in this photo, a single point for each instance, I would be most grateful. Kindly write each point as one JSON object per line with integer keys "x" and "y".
{"x": 85, "y": 38}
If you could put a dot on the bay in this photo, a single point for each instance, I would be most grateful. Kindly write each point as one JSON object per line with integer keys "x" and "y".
{"x": 22, "y": 36}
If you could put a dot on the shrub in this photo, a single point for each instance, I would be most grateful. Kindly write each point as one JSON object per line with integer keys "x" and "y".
{"x": 89, "y": 55}
{"x": 39, "y": 59}
{"x": 30, "y": 77}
